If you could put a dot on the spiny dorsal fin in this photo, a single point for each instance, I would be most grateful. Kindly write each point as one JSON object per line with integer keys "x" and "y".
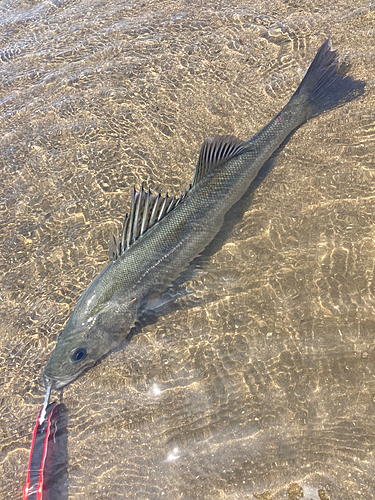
{"x": 215, "y": 151}
{"x": 146, "y": 209}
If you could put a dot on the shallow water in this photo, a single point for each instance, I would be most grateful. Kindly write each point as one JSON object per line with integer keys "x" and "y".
{"x": 264, "y": 387}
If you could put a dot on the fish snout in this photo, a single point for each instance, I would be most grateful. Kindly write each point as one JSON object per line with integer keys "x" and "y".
{"x": 47, "y": 382}
{"x": 58, "y": 380}
{"x": 54, "y": 383}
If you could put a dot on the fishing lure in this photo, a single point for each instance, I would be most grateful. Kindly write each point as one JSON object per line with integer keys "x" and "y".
{"x": 42, "y": 452}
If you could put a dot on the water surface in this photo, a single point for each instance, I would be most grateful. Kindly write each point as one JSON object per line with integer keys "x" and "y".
{"x": 264, "y": 387}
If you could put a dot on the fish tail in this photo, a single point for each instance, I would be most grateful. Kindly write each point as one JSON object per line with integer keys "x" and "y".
{"x": 322, "y": 88}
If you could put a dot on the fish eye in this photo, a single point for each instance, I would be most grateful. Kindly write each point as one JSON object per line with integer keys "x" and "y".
{"x": 78, "y": 354}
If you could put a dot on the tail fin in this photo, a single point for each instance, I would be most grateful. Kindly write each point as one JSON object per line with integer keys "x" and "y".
{"x": 323, "y": 87}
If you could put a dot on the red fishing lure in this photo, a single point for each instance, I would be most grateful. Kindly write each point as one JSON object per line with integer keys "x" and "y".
{"x": 41, "y": 454}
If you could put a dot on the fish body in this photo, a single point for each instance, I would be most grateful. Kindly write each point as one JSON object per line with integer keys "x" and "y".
{"x": 162, "y": 235}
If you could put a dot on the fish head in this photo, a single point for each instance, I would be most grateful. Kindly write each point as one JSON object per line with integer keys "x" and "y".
{"x": 81, "y": 344}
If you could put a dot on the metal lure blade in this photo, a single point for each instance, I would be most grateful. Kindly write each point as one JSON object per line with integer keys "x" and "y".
{"x": 45, "y": 404}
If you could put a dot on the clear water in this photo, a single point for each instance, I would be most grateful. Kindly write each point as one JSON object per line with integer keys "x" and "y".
{"x": 265, "y": 387}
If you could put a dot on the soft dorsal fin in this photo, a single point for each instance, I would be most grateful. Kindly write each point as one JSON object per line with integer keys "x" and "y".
{"x": 215, "y": 151}
{"x": 146, "y": 209}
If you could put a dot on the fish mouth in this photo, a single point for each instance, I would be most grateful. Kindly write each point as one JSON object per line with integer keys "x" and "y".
{"x": 62, "y": 382}
{"x": 57, "y": 382}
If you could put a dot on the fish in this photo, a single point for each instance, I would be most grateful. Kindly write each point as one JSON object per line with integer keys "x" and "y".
{"x": 162, "y": 235}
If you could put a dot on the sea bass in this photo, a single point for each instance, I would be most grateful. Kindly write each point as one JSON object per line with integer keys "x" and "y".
{"x": 162, "y": 235}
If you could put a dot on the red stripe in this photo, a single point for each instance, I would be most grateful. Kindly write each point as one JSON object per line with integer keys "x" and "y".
{"x": 27, "y": 486}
